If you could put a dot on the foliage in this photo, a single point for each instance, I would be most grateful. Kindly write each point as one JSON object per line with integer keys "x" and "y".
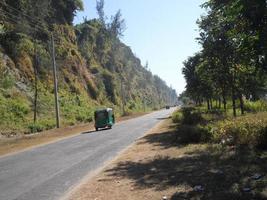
{"x": 248, "y": 130}
{"x": 7, "y": 82}
{"x": 188, "y": 134}
{"x": 177, "y": 117}
{"x": 190, "y": 116}
{"x": 232, "y": 62}
{"x": 256, "y": 106}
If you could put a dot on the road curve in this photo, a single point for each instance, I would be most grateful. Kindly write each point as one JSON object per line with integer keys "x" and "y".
{"x": 47, "y": 172}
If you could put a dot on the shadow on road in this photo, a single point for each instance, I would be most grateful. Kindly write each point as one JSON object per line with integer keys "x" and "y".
{"x": 88, "y": 132}
{"x": 163, "y": 140}
{"x": 163, "y": 118}
{"x": 93, "y": 131}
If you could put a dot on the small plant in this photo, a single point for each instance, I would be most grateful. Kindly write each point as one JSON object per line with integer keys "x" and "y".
{"x": 35, "y": 127}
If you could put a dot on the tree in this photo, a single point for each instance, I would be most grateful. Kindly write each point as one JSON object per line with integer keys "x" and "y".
{"x": 100, "y": 11}
{"x": 232, "y": 61}
{"x": 117, "y": 25}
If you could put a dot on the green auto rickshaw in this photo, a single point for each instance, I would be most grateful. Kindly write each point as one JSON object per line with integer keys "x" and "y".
{"x": 104, "y": 118}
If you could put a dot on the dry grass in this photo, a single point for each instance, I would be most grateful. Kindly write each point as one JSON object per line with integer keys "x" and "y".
{"x": 13, "y": 145}
{"x": 156, "y": 166}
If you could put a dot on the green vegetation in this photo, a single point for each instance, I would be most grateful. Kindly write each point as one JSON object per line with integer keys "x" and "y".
{"x": 229, "y": 75}
{"x": 197, "y": 124}
{"x": 95, "y": 69}
{"x": 232, "y": 63}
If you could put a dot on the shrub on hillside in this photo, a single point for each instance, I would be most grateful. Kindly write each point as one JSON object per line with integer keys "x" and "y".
{"x": 42, "y": 125}
{"x": 35, "y": 127}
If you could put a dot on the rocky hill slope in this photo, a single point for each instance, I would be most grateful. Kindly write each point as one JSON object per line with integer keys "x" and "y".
{"x": 95, "y": 69}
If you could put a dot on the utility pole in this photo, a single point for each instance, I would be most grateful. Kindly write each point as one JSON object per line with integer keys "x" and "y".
{"x": 36, "y": 63}
{"x": 122, "y": 97}
{"x": 144, "y": 104}
{"x": 55, "y": 80}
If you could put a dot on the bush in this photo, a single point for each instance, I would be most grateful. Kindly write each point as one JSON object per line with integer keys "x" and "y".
{"x": 42, "y": 125}
{"x": 248, "y": 130}
{"x": 256, "y": 106}
{"x": 177, "y": 117}
{"x": 193, "y": 134}
{"x": 35, "y": 127}
{"x": 191, "y": 116}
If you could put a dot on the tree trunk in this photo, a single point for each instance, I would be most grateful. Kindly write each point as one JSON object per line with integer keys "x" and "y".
{"x": 224, "y": 103}
{"x": 220, "y": 103}
{"x": 35, "y": 97}
{"x": 241, "y": 104}
{"x": 233, "y": 100}
{"x": 211, "y": 105}
{"x": 208, "y": 104}
{"x": 35, "y": 65}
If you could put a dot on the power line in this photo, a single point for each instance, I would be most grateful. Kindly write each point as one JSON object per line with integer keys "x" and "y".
{"x": 13, "y": 18}
{"x": 21, "y": 12}
{"x": 16, "y": 20}
{"x": 16, "y": 23}
{"x": 34, "y": 27}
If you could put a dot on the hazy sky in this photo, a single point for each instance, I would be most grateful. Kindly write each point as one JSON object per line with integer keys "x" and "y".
{"x": 161, "y": 32}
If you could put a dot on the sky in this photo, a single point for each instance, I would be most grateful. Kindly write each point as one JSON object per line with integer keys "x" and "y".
{"x": 160, "y": 32}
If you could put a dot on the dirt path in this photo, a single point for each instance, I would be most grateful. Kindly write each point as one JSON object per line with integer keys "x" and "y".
{"x": 156, "y": 167}
{"x": 14, "y": 145}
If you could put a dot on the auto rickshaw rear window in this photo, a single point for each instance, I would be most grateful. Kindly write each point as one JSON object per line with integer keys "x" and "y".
{"x": 101, "y": 115}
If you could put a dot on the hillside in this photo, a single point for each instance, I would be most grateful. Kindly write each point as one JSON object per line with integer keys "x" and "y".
{"x": 95, "y": 68}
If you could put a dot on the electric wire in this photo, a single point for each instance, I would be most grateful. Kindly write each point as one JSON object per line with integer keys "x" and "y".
{"x": 22, "y": 13}
{"x": 16, "y": 20}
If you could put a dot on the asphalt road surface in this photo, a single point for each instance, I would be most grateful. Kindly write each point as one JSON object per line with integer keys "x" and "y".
{"x": 47, "y": 172}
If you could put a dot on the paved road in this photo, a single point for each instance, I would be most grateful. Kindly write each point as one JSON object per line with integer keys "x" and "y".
{"x": 47, "y": 172}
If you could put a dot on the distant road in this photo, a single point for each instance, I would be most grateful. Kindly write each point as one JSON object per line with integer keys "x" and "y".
{"x": 47, "y": 172}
